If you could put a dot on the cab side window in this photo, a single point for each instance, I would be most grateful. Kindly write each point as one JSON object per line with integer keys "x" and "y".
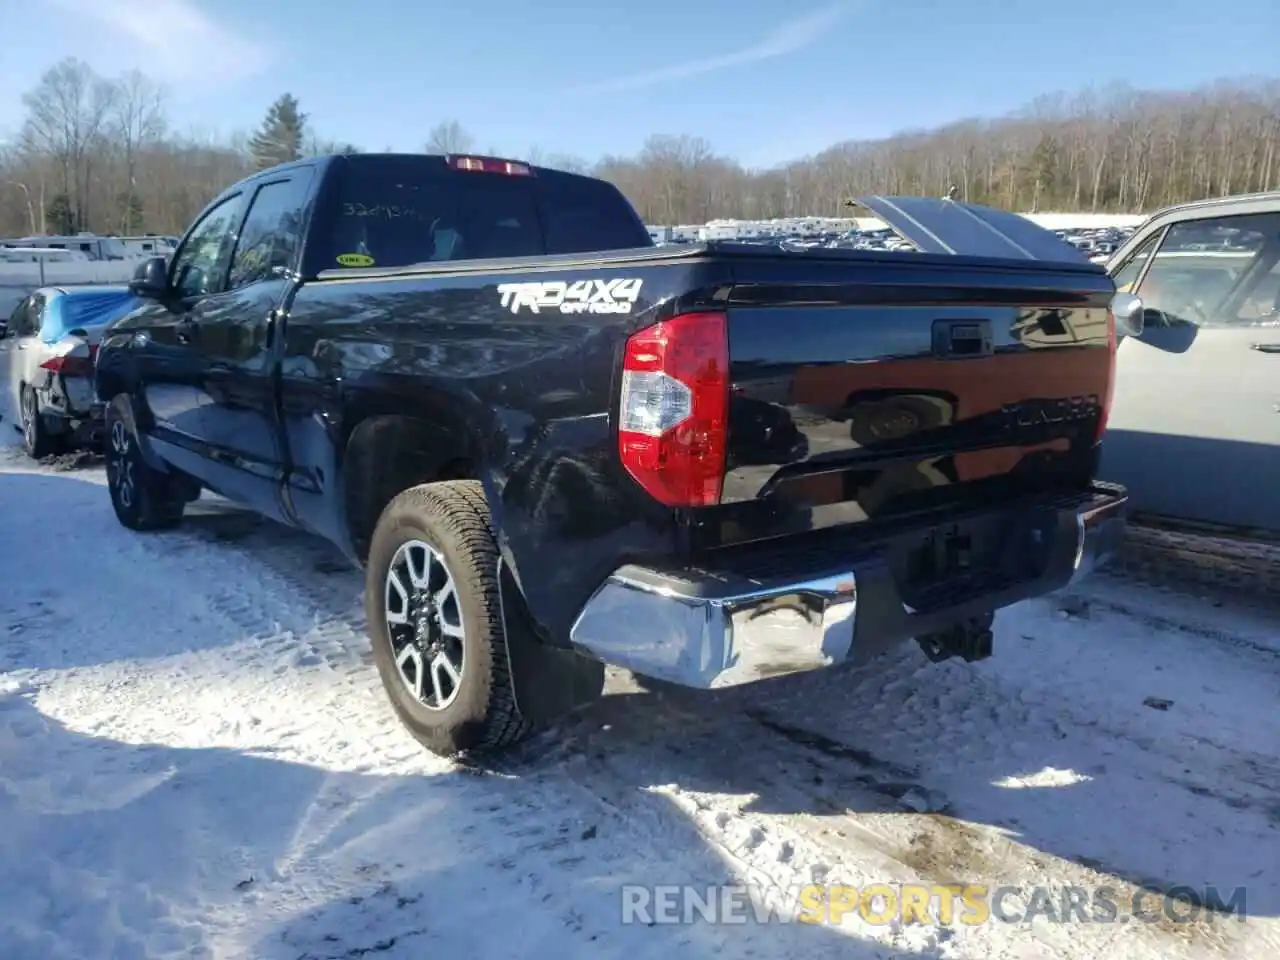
{"x": 271, "y": 236}
{"x": 200, "y": 266}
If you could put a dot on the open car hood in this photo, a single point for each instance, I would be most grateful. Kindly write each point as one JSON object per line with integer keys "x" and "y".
{"x": 939, "y": 225}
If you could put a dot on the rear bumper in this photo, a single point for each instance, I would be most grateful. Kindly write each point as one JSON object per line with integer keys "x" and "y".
{"x": 712, "y": 629}
{"x": 70, "y": 400}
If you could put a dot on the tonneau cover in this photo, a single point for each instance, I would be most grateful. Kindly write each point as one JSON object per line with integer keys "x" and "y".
{"x": 940, "y": 225}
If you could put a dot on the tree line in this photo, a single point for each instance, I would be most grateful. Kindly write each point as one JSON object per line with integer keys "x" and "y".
{"x": 100, "y": 154}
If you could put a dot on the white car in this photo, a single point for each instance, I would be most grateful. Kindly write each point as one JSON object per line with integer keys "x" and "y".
{"x": 1194, "y": 428}
{"x": 47, "y": 351}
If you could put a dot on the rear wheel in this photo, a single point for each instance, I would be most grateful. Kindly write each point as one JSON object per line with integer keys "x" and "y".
{"x": 143, "y": 497}
{"x": 37, "y": 439}
{"x": 435, "y": 620}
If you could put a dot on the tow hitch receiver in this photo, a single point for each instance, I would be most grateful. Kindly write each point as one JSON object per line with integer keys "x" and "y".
{"x": 971, "y": 640}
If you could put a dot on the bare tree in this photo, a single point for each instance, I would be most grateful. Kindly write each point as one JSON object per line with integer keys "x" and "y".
{"x": 137, "y": 118}
{"x": 66, "y": 116}
{"x": 448, "y": 136}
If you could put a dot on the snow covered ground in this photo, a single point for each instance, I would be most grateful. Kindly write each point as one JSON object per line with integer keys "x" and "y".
{"x": 196, "y": 761}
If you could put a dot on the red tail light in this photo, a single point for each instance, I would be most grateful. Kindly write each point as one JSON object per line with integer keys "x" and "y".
{"x": 490, "y": 165}
{"x": 1109, "y": 394}
{"x": 72, "y": 366}
{"x": 673, "y": 422}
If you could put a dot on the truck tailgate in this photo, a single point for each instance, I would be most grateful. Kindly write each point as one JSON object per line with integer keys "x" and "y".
{"x": 870, "y": 390}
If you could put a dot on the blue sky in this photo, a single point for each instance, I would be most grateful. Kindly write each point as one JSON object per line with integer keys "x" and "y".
{"x": 762, "y": 81}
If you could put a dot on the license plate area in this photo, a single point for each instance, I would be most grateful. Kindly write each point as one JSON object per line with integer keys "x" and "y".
{"x": 944, "y": 552}
{"x": 950, "y": 563}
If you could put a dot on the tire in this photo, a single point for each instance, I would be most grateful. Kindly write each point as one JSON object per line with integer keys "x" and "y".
{"x": 477, "y": 713}
{"x": 143, "y": 497}
{"x": 38, "y": 441}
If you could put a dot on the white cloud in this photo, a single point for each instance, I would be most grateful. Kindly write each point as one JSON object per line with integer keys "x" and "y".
{"x": 176, "y": 41}
{"x": 789, "y": 38}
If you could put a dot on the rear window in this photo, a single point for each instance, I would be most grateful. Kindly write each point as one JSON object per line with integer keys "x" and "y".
{"x": 581, "y": 215}
{"x": 397, "y": 211}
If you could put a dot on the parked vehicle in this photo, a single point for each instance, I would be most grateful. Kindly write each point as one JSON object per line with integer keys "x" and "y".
{"x": 1195, "y": 427}
{"x": 47, "y": 350}
{"x": 553, "y": 445}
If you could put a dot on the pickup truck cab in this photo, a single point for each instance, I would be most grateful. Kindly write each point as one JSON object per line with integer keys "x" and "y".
{"x": 552, "y": 445}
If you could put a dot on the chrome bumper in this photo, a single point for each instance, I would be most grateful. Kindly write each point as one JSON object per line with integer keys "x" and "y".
{"x": 1099, "y": 530}
{"x": 716, "y": 633}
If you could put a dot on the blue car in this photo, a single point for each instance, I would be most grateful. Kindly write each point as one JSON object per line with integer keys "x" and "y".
{"x": 47, "y": 350}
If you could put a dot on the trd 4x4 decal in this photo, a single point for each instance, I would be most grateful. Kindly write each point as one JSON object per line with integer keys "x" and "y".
{"x": 582, "y": 296}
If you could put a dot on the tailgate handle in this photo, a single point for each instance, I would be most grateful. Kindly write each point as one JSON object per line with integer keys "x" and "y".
{"x": 962, "y": 338}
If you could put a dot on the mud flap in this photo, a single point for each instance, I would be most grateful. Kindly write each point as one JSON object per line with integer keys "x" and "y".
{"x": 548, "y": 681}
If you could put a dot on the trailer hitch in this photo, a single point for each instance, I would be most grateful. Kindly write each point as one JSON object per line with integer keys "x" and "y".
{"x": 971, "y": 640}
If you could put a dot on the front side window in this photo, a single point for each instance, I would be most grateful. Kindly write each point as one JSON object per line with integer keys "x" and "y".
{"x": 200, "y": 266}
{"x": 1200, "y": 264}
{"x": 1127, "y": 275}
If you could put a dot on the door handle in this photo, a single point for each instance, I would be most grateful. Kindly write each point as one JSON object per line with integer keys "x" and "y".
{"x": 1265, "y": 347}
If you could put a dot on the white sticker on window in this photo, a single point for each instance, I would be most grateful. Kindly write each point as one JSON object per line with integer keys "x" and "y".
{"x": 581, "y": 296}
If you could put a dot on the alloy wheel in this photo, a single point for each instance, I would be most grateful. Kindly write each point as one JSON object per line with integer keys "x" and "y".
{"x": 122, "y": 476}
{"x": 424, "y": 624}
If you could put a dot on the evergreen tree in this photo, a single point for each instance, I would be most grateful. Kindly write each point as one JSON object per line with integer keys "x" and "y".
{"x": 280, "y": 137}
{"x": 60, "y": 216}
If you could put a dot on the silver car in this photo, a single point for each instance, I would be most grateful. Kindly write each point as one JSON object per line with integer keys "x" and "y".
{"x": 1194, "y": 430}
{"x": 47, "y": 350}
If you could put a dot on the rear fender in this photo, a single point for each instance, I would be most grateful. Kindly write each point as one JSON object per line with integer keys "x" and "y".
{"x": 553, "y": 680}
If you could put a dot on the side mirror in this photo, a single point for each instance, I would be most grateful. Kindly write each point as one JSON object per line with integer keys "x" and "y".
{"x": 1129, "y": 313}
{"x": 151, "y": 279}
{"x": 4, "y": 329}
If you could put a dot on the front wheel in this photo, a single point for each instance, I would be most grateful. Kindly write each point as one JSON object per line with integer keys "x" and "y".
{"x": 143, "y": 497}
{"x": 435, "y": 619}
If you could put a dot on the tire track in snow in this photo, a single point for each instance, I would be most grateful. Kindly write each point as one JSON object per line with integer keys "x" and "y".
{"x": 829, "y": 789}
{"x": 300, "y": 595}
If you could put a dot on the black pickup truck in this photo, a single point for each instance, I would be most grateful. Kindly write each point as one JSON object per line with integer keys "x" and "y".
{"x": 553, "y": 445}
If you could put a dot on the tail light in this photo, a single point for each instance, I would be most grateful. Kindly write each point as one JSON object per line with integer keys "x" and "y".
{"x": 72, "y": 366}
{"x": 1109, "y": 393}
{"x": 673, "y": 422}
{"x": 489, "y": 165}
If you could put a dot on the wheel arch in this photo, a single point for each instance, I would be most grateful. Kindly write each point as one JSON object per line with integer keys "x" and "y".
{"x": 388, "y": 451}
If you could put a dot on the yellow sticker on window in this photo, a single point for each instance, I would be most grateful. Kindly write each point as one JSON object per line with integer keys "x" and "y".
{"x": 355, "y": 260}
